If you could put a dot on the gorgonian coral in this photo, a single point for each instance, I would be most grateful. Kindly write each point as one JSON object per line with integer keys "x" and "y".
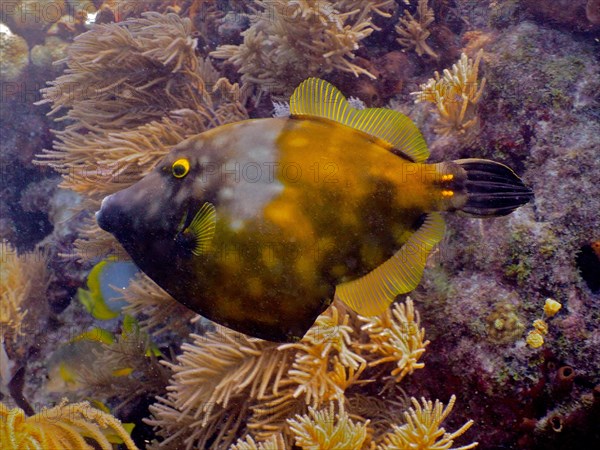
{"x": 327, "y": 429}
{"x": 423, "y": 428}
{"x": 132, "y": 90}
{"x": 455, "y": 94}
{"x": 67, "y": 425}
{"x": 23, "y": 283}
{"x": 216, "y": 376}
{"x": 226, "y": 384}
{"x": 292, "y": 40}
{"x": 156, "y": 311}
{"x": 275, "y": 442}
{"x": 414, "y": 32}
{"x": 396, "y": 336}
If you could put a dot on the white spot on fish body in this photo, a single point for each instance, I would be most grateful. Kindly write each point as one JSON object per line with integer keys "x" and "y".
{"x": 236, "y": 225}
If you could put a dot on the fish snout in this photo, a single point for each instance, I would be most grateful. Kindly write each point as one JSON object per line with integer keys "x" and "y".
{"x": 106, "y": 216}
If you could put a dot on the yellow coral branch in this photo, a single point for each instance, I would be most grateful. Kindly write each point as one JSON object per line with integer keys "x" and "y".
{"x": 395, "y": 336}
{"x": 63, "y": 426}
{"x": 455, "y": 95}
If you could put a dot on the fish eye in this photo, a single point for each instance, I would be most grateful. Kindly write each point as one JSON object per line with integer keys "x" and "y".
{"x": 180, "y": 168}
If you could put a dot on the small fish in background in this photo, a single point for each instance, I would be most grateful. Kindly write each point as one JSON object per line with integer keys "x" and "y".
{"x": 257, "y": 225}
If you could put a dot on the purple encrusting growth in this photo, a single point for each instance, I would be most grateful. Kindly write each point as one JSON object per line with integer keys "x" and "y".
{"x": 540, "y": 114}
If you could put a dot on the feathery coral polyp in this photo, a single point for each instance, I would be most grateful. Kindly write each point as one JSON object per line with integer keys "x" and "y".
{"x": 423, "y": 428}
{"x": 63, "y": 426}
{"x": 396, "y": 337}
{"x": 413, "y": 31}
{"x": 455, "y": 95}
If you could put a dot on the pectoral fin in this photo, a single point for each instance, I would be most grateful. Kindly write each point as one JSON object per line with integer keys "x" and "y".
{"x": 202, "y": 229}
{"x": 372, "y": 294}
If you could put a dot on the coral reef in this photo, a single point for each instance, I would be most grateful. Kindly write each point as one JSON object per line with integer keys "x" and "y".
{"x": 67, "y": 425}
{"x": 124, "y": 121}
{"x": 290, "y": 41}
{"x": 14, "y": 54}
{"x": 226, "y": 383}
{"x": 422, "y": 428}
{"x": 133, "y": 88}
{"x": 413, "y": 31}
{"x": 455, "y": 95}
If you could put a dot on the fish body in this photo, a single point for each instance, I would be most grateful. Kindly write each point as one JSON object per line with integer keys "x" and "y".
{"x": 257, "y": 225}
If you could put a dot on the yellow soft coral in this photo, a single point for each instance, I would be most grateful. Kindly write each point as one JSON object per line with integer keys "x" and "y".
{"x": 327, "y": 430}
{"x": 23, "y": 278}
{"x": 422, "y": 429}
{"x": 413, "y": 31}
{"x": 325, "y": 364}
{"x": 66, "y": 426}
{"x": 456, "y": 95}
{"x": 13, "y": 290}
{"x": 396, "y": 337}
{"x": 275, "y": 442}
{"x": 290, "y": 40}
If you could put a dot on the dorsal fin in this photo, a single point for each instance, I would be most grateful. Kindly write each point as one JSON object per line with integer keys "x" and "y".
{"x": 373, "y": 293}
{"x": 317, "y": 98}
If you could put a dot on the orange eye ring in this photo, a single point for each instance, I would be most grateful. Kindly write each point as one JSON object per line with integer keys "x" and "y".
{"x": 180, "y": 168}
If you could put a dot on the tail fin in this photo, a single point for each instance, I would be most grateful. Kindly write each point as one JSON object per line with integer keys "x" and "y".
{"x": 492, "y": 189}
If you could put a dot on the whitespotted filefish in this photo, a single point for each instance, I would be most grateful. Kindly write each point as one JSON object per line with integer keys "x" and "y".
{"x": 257, "y": 225}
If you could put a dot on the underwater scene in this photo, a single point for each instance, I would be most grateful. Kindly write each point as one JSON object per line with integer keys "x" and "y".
{"x": 299, "y": 224}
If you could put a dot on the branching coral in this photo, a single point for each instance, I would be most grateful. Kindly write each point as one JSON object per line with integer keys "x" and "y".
{"x": 22, "y": 277}
{"x": 327, "y": 430}
{"x": 456, "y": 95}
{"x": 292, "y": 40}
{"x": 422, "y": 428}
{"x": 275, "y": 442}
{"x": 395, "y": 336}
{"x": 64, "y": 426}
{"x": 325, "y": 364}
{"x": 219, "y": 370}
{"x": 413, "y": 31}
{"x": 226, "y": 383}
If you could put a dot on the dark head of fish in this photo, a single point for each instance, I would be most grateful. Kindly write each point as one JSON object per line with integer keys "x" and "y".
{"x": 147, "y": 218}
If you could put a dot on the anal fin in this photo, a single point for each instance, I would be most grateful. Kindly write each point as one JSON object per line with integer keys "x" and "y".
{"x": 373, "y": 293}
